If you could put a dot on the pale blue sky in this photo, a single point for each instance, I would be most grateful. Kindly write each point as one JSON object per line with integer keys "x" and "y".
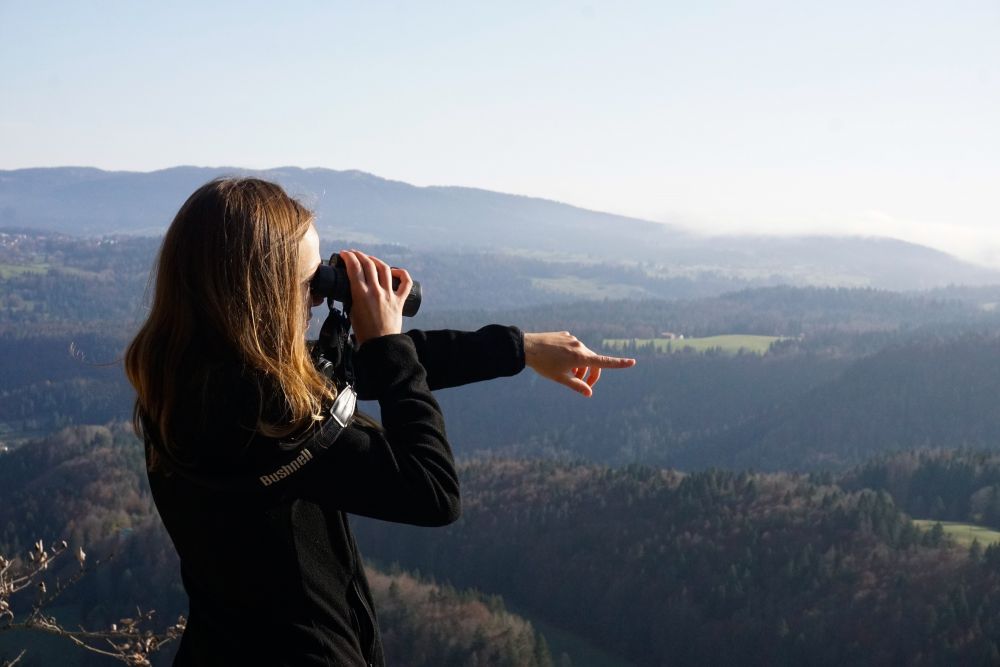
{"x": 859, "y": 117}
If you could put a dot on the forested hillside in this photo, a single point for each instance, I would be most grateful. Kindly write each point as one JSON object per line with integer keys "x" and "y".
{"x": 53, "y": 277}
{"x": 712, "y": 568}
{"x": 653, "y": 565}
{"x": 943, "y": 484}
{"x": 935, "y": 392}
{"x": 86, "y": 485}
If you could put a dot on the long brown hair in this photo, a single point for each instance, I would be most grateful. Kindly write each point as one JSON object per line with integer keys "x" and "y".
{"x": 226, "y": 284}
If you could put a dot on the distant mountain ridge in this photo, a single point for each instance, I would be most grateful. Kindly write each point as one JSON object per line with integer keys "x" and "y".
{"x": 364, "y": 208}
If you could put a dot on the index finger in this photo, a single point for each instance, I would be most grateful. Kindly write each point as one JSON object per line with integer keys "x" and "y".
{"x": 604, "y": 361}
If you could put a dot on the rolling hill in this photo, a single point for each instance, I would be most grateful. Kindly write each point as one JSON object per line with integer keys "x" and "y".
{"x": 365, "y": 209}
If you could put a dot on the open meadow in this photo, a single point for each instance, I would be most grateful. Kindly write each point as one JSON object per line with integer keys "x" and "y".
{"x": 963, "y": 533}
{"x": 728, "y": 344}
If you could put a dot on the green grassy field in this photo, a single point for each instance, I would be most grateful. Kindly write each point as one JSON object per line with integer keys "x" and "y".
{"x": 11, "y": 270}
{"x": 962, "y": 533}
{"x": 730, "y": 344}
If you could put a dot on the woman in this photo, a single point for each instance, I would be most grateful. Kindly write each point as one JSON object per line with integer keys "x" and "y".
{"x": 249, "y": 465}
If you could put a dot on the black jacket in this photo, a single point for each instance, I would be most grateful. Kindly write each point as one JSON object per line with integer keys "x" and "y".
{"x": 273, "y": 573}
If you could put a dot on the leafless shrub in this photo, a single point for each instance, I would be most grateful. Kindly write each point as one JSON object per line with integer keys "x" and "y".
{"x": 128, "y": 641}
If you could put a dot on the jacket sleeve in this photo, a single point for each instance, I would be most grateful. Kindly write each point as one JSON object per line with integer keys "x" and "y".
{"x": 454, "y": 358}
{"x": 404, "y": 472}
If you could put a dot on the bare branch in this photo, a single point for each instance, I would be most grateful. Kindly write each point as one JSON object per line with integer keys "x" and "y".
{"x": 128, "y": 641}
{"x": 15, "y": 660}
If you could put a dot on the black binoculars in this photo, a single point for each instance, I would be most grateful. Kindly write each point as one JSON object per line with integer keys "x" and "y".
{"x": 330, "y": 281}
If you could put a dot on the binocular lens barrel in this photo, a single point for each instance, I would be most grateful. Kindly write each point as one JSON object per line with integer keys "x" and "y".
{"x": 331, "y": 282}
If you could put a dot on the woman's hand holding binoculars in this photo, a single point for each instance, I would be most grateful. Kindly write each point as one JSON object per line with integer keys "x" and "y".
{"x": 376, "y": 309}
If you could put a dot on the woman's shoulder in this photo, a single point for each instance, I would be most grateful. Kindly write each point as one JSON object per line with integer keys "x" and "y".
{"x": 219, "y": 406}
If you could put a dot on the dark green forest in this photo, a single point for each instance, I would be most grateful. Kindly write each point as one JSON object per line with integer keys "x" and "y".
{"x": 713, "y": 567}
{"x": 947, "y": 485}
{"x": 651, "y": 564}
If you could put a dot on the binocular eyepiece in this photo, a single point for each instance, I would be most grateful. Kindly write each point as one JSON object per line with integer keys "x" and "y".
{"x": 331, "y": 282}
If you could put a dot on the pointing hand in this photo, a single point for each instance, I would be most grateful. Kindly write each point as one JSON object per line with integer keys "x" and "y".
{"x": 560, "y": 357}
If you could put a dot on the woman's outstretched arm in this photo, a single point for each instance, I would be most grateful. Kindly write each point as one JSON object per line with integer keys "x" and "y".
{"x": 455, "y": 358}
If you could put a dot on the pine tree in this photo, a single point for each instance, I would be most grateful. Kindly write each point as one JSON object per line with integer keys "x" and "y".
{"x": 976, "y": 551}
